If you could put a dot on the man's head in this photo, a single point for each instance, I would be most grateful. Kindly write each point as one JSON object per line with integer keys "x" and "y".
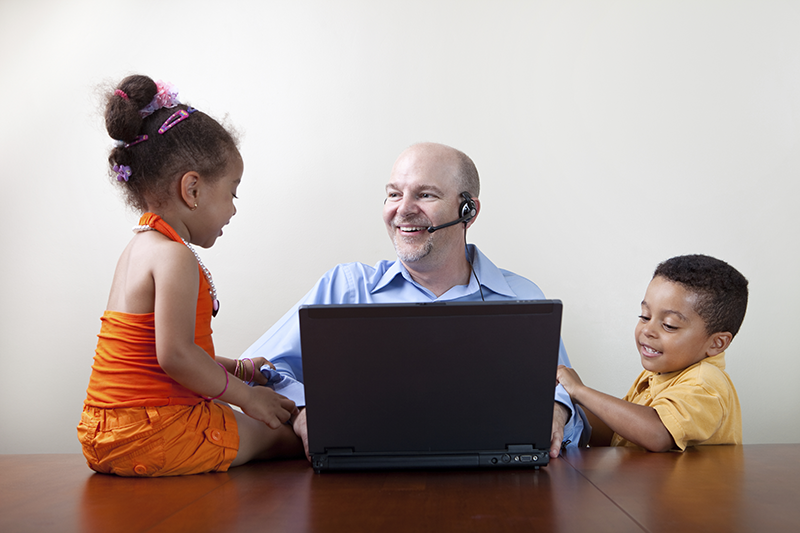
{"x": 424, "y": 190}
{"x": 692, "y": 309}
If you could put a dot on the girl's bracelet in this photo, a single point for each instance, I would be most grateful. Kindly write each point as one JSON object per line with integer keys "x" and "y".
{"x": 253, "y": 376}
{"x": 208, "y": 399}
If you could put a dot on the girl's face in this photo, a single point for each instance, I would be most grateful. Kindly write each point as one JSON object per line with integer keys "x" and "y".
{"x": 216, "y": 204}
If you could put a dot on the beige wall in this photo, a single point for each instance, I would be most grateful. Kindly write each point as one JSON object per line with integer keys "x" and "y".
{"x": 610, "y": 135}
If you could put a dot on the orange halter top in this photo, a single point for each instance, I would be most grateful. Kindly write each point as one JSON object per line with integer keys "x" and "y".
{"x": 126, "y": 372}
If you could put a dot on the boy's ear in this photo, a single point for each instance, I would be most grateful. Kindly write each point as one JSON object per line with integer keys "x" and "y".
{"x": 719, "y": 343}
{"x": 189, "y": 184}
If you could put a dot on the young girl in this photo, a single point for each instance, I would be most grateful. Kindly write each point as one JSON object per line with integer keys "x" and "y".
{"x": 150, "y": 408}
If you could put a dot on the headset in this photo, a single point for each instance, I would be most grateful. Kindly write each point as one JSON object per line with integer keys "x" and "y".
{"x": 466, "y": 212}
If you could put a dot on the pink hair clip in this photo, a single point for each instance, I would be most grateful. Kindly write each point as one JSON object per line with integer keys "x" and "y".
{"x": 175, "y": 118}
{"x": 123, "y": 172}
{"x": 121, "y": 94}
{"x": 137, "y": 140}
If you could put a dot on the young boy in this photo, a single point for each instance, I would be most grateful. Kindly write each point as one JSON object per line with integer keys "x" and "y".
{"x": 691, "y": 311}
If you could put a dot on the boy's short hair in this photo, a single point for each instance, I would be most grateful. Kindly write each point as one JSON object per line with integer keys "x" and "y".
{"x": 721, "y": 289}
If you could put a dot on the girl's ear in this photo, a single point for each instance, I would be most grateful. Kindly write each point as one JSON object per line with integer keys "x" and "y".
{"x": 189, "y": 184}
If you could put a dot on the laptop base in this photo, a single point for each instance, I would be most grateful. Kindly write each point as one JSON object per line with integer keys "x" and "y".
{"x": 341, "y": 460}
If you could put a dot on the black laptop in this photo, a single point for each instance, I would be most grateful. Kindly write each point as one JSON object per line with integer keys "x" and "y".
{"x": 434, "y": 385}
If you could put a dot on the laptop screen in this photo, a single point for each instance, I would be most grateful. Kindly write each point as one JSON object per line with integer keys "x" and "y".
{"x": 428, "y": 379}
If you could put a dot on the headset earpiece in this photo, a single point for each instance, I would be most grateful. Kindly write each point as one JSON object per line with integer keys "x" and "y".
{"x": 467, "y": 209}
{"x": 466, "y": 212}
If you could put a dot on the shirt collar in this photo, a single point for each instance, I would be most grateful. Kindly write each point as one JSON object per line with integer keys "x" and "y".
{"x": 715, "y": 360}
{"x": 394, "y": 270}
{"x": 490, "y": 277}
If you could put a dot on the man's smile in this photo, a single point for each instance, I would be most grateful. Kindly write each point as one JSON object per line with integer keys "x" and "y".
{"x": 411, "y": 229}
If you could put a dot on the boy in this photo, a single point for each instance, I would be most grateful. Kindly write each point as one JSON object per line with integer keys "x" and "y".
{"x": 691, "y": 311}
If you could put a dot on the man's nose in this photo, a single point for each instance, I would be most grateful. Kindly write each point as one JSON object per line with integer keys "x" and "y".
{"x": 408, "y": 205}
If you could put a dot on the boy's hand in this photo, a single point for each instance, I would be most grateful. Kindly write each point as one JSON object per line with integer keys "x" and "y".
{"x": 569, "y": 379}
{"x": 269, "y": 407}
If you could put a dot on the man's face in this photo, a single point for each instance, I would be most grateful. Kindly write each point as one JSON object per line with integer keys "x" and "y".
{"x": 422, "y": 191}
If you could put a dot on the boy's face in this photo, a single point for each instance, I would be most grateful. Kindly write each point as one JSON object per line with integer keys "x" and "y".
{"x": 670, "y": 335}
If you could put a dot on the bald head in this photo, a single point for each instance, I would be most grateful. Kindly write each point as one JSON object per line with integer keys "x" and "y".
{"x": 440, "y": 158}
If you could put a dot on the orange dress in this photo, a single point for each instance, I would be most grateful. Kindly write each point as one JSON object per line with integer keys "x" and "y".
{"x": 136, "y": 419}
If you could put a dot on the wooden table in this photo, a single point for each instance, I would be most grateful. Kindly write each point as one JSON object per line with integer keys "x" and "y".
{"x": 713, "y": 488}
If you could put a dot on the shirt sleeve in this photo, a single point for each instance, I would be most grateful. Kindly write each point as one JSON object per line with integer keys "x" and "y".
{"x": 574, "y": 429}
{"x": 691, "y": 411}
{"x": 281, "y": 343}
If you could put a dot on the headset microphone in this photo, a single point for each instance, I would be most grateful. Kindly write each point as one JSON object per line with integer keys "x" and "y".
{"x": 431, "y": 229}
{"x": 466, "y": 211}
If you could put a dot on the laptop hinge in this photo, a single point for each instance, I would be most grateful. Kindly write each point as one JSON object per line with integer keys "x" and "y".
{"x": 519, "y": 448}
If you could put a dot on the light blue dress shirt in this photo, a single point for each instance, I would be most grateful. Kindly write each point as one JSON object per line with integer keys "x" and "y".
{"x": 390, "y": 282}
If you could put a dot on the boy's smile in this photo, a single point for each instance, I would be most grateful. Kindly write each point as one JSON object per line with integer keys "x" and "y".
{"x": 670, "y": 335}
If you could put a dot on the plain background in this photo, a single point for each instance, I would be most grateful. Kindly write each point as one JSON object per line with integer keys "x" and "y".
{"x": 610, "y": 135}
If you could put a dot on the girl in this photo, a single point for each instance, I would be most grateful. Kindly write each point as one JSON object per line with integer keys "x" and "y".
{"x": 150, "y": 408}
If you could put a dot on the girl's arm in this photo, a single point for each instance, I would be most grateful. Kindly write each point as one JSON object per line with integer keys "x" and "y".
{"x": 176, "y": 279}
{"x": 249, "y": 364}
{"x": 639, "y": 424}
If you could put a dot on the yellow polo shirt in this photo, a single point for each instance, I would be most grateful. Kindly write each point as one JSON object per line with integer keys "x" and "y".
{"x": 697, "y": 405}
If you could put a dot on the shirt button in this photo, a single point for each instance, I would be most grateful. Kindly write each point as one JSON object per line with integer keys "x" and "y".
{"x": 215, "y": 435}
{"x": 140, "y": 469}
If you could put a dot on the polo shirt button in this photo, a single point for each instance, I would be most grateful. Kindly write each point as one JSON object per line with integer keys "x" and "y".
{"x": 216, "y": 435}
{"x": 140, "y": 469}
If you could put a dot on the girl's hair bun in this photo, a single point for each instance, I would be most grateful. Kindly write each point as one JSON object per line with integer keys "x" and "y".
{"x": 123, "y": 121}
{"x": 159, "y": 140}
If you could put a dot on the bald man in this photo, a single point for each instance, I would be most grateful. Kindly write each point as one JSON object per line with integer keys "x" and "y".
{"x": 429, "y": 185}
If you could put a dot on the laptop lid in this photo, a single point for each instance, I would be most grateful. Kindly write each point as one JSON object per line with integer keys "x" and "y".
{"x": 450, "y": 384}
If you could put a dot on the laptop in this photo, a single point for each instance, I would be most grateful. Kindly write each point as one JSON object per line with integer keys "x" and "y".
{"x": 430, "y": 385}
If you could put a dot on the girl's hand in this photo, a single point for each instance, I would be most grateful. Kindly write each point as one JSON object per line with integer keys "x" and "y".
{"x": 261, "y": 361}
{"x": 255, "y": 366}
{"x": 268, "y": 406}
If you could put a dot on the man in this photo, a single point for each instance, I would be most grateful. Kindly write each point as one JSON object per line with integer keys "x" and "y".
{"x": 424, "y": 191}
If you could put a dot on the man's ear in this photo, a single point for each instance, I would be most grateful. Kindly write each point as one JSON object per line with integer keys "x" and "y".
{"x": 189, "y": 184}
{"x": 477, "y": 211}
{"x": 719, "y": 343}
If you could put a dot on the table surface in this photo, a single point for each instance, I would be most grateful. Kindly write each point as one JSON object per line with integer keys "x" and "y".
{"x": 710, "y": 488}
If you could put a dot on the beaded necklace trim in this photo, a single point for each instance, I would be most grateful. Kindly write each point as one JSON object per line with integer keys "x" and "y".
{"x": 213, "y": 290}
